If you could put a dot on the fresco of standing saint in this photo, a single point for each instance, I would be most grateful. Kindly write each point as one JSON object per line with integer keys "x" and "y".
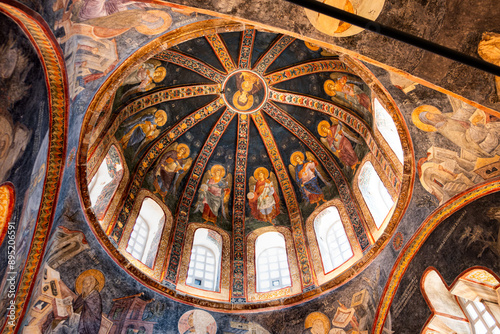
{"x": 173, "y": 166}
{"x": 337, "y": 138}
{"x": 263, "y": 196}
{"x": 214, "y": 194}
{"x": 306, "y": 174}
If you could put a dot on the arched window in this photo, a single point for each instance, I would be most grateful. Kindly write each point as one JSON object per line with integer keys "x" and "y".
{"x": 385, "y": 124}
{"x": 205, "y": 262}
{"x": 105, "y": 181}
{"x": 333, "y": 243}
{"x": 470, "y": 305}
{"x": 374, "y": 193}
{"x": 271, "y": 262}
{"x": 146, "y": 235}
{"x": 481, "y": 320}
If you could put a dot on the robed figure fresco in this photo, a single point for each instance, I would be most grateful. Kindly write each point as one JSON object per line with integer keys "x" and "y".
{"x": 147, "y": 76}
{"x": 85, "y": 312}
{"x": 306, "y": 173}
{"x": 263, "y": 196}
{"x": 214, "y": 194}
{"x": 173, "y": 166}
{"x": 143, "y": 129}
{"x": 337, "y": 138}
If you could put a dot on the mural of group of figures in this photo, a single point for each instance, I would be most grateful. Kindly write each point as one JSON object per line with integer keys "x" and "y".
{"x": 263, "y": 191}
{"x": 444, "y": 172}
{"x": 93, "y": 304}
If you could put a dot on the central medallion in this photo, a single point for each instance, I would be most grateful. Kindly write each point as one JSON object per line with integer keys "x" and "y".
{"x": 245, "y": 91}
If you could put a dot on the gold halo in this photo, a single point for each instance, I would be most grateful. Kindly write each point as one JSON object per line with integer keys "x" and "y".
{"x": 296, "y": 154}
{"x": 312, "y": 47}
{"x": 415, "y": 117}
{"x": 163, "y": 74}
{"x": 97, "y": 274}
{"x": 163, "y": 114}
{"x": 238, "y": 106}
{"x": 327, "y": 89}
{"x": 187, "y": 150}
{"x": 218, "y": 167}
{"x": 167, "y": 21}
{"x": 312, "y": 317}
{"x": 320, "y": 128}
{"x": 261, "y": 169}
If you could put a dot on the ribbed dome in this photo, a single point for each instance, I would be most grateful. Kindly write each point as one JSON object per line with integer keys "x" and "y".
{"x": 236, "y": 145}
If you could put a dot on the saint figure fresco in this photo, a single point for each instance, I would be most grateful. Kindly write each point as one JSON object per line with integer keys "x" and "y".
{"x": 85, "y": 309}
{"x": 214, "y": 194}
{"x": 337, "y": 138}
{"x": 147, "y": 76}
{"x": 197, "y": 321}
{"x": 316, "y": 323}
{"x": 173, "y": 166}
{"x": 139, "y": 132}
{"x": 306, "y": 174}
{"x": 263, "y": 196}
{"x": 340, "y": 88}
{"x": 470, "y": 128}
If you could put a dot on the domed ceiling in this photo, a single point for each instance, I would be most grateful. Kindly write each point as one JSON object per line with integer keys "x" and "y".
{"x": 242, "y": 133}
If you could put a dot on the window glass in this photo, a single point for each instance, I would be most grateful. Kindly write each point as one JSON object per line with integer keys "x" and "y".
{"x": 105, "y": 182}
{"x": 386, "y": 126}
{"x": 205, "y": 261}
{"x": 374, "y": 193}
{"x": 481, "y": 320}
{"x": 146, "y": 235}
{"x": 333, "y": 243}
{"x": 271, "y": 262}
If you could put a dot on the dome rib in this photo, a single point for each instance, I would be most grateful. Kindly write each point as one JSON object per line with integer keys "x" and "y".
{"x": 286, "y": 106}
{"x": 334, "y": 170}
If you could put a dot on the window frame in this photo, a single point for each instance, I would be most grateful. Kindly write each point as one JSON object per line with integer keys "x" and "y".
{"x": 374, "y": 232}
{"x": 261, "y": 261}
{"x": 156, "y": 270}
{"x": 209, "y": 249}
{"x": 295, "y": 288}
{"x": 105, "y": 223}
{"x": 223, "y": 291}
{"x": 314, "y": 247}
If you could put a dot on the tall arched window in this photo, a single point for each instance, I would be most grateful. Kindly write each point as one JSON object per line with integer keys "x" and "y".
{"x": 470, "y": 305}
{"x": 105, "y": 181}
{"x": 204, "y": 265}
{"x": 271, "y": 262}
{"x": 385, "y": 124}
{"x": 146, "y": 235}
{"x": 333, "y": 243}
{"x": 374, "y": 193}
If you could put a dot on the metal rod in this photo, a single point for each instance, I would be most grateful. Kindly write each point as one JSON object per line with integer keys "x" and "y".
{"x": 399, "y": 35}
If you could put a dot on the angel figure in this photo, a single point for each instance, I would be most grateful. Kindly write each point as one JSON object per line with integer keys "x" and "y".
{"x": 347, "y": 89}
{"x": 263, "y": 196}
{"x": 173, "y": 166}
{"x": 214, "y": 193}
{"x": 337, "y": 138}
{"x": 147, "y": 76}
{"x": 142, "y": 131}
{"x": 306, "y": 174}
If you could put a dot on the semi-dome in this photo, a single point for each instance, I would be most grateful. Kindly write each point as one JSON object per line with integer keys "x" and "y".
{"x": 217, "y": 165}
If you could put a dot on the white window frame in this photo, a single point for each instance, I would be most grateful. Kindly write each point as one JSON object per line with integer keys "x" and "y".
{"x": 152, "y": 219}
{"x": 271, "y": 262}
{"x": 198, "y": 270}
{"x": 484, "y": 322}
{"x": 327, "y": 222}
{"x": 376, "y": 196}
{"x": 387, "y": 128}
